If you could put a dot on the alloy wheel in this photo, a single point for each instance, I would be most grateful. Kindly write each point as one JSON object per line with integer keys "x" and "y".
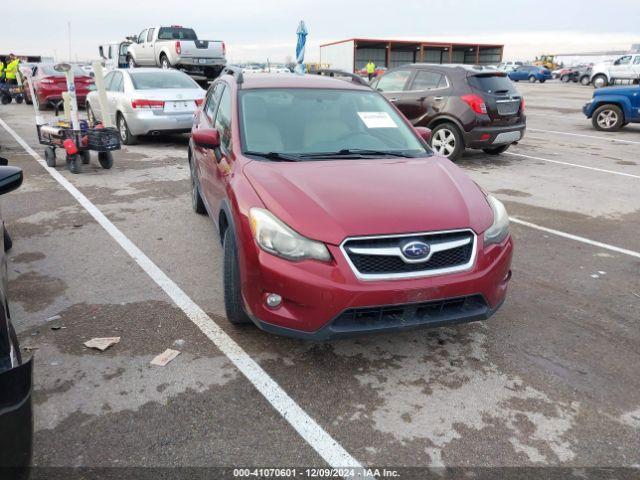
{"x": 607, "y": 119}
{"x": 444, "y": 142}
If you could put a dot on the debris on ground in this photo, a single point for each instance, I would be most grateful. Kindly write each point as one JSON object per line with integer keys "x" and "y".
{"x": 165, "y": 357}
{"x": 102, "y": 343}
{"x": 54, "y": 317}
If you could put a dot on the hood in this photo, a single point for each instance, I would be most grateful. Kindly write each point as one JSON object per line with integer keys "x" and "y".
{"x": 617, "y": 91}
{"x": 330, "y": 200}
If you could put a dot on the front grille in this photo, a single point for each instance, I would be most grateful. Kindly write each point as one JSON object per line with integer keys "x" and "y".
{"x": 508, "y": 107}
{"x": 470, "y": 308}
{"x": 451, "y": 251}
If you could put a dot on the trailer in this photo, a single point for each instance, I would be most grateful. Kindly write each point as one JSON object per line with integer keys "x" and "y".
{"x": 353, "y": 54}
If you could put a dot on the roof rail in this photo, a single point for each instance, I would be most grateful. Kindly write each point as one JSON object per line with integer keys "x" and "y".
{"x": 235, "y": 72}
{"x": 341, "y": 73}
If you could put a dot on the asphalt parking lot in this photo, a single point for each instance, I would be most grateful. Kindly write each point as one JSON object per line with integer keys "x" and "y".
{"x": 552, "y": 379}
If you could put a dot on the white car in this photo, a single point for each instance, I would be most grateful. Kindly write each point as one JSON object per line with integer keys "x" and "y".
{"x": 249, "y": 69}
{"x": 509, "y": 66}
{"x": 145, "y": 101}
{"x": 626, "y": 67}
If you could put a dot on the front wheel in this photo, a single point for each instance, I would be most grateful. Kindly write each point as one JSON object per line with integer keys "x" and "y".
{"x": 447, "y": 141}
{"x": 608, "y": 118}
{"x": 600, "y": 81}
{"x": 86, "y": 157}
{"x": 105, "y": 159}
{"x": 532, "y": 79}
{"x": 564, "y": 78}
{"x": 585, "y": 80}
{"x": 131, "y": 62}
{"x": 233, "y": 303}
{"x": 50, "y": 156}
{"x": 125, "y": 134}
{"x": 74, "y": 163}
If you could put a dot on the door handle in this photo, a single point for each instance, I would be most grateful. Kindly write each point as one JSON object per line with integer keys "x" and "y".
{"x": 393, "y": 99}
{"x": 438, "y": 99}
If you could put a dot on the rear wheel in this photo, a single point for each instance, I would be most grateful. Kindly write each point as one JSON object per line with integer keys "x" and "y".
{"x": 532, "y": 79}
{"x": 447, "y": 141}
{"x": 19, "y": 99}
{"x": 131, "y": 62}
{"x": 564, "y": 78}
{"x": 105, "y": 159}
{"x": 232, "y": 294}
{"x": 585, "y": 80}
{"x": 50, "y": 156}
{"x": 125, "y": 134}
{"x": 86, "y": 157}
{"x": 608, "y": 118}
{"x": 496, "y": 150}
{"x": 164, "y": 61}
{"x": 6, "y": 99}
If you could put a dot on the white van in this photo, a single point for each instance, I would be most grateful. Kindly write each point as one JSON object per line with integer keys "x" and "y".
{"x": 114, "y": 55}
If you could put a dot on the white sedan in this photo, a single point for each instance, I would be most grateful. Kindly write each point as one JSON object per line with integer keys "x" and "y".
{"x": 148, "y": 101}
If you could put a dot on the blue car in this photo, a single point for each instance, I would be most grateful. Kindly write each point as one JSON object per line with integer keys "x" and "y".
{"x": 531, "y": 73}
{"x": 612, "y": 108}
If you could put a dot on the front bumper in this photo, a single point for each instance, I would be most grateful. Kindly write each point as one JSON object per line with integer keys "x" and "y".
{"x": 322, "y": 301}
{"x": 587, "y": 110}
{"x": 486, "y": 137}
{"x": 16, "y": 420}
{"x": 147, "y": 122}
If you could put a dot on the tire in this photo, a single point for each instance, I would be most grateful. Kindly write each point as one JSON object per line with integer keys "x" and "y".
{"x": 542, "y": 80}
{"x": 131, "y": 63}
{"x": 74, "y": 163}
{"x": 105, "y": 159}
{"x": 123, "y": 129}
{"x": 496, "y": 150}
{"x": 608, "y": 118}
{"x": 164, "y": 62}
{"x": 19, "y": 99}
{"x": 532, "y": 79}
{"x": 564, "y": 78}
{"x": 8, "y": 243}
{"x": 196, "y": 199}
{"x": 447, "y": 141}
{"x": 85, "y": 155}
{"x": 600, "y": 81}
{"x": 585, "y": 80}
{"x": 233, "y": 303}
{"x": 6, "y": 99}
{"x": 50, "y": 156}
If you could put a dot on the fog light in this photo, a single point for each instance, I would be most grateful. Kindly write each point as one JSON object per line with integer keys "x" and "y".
{"x": 273, "y": 300}
{"x": 485, "y": 136}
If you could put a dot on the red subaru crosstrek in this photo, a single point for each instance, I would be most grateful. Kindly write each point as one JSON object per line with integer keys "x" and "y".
{"x": 335, "y": 216}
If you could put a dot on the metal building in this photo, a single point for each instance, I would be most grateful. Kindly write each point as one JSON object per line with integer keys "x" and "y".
{"x": 353, "y": 54}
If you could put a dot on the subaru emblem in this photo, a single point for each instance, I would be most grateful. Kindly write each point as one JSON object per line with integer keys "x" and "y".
{"x": 416, "y": 251}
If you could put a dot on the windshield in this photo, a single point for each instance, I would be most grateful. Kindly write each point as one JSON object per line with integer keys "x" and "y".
{"x": 312, "y": 122}
{"x": 161, "y": 79}
{"x": 50, "y": 71}
{"x": 176, "y": 33}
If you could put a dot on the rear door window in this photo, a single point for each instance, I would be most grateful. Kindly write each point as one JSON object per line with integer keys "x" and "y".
{"x": 425, "y": 80}
{"x": 394, "y": 81}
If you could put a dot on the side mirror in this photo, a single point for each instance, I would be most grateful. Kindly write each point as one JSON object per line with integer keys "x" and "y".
{"x": 424, "y": 133}
{"x": 10, "y": 179}
{"x": 206, "y": 138}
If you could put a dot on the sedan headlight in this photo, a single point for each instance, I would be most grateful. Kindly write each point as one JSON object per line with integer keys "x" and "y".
{"x": 499, "y": 230}
{"x": 275, "y": 237}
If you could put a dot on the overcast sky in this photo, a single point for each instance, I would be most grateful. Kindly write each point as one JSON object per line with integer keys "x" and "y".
{"x": 255, "y": 30}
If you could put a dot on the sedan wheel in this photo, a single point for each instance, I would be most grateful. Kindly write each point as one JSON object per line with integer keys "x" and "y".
{"x": 125, "y": 135}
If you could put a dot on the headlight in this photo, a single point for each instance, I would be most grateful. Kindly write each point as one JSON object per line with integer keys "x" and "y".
{"x": 499, "y": 230}
{"x": 277, "y": 238}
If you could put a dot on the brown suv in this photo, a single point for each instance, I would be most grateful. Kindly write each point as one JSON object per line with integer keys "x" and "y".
{"x": 465, "y": 106}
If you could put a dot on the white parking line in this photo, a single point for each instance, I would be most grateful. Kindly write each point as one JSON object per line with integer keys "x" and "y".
{"x": 610, "y": 139}
{"x": 328, "y": 448}
{"x": 623, "y": 174}
{"x": 577, "y": 238}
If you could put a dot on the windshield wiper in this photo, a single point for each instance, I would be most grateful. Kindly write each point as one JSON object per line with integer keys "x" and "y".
{"x": 357, "y": 152}
{"x": 281, "y": 157}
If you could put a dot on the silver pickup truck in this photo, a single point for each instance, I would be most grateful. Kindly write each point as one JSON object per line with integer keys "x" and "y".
{"x": 177, "y": 47}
